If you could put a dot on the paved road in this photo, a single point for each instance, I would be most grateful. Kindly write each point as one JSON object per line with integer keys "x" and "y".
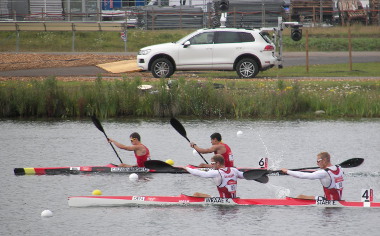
{"x": 318, "y": 58}
{"x": 289, "y": 59}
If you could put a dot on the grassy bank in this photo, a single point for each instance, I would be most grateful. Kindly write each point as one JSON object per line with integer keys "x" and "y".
{"x": 364, "y": 38}
{"x": 260, "y": 99}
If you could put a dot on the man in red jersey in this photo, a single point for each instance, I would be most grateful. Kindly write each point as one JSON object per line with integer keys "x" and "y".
{"x": 141, "y": 151}
{"x": 224, "y": 177}
{"x": 331, "y": 177}
{"x": 218, "y": 147}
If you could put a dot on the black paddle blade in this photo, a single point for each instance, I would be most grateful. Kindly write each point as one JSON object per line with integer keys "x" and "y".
{"x": 354, "y": 162}
{"x": 263, "y": 179}
{"x": 255, "y": 174}
{"x": 178, "y": 126}
{"x": 97, "y": 123}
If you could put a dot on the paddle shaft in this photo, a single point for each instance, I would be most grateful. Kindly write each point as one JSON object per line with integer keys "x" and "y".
{"x": 254, "y": 174}
{"x": 100, "y": 127}
{"x": 181, "y": 130}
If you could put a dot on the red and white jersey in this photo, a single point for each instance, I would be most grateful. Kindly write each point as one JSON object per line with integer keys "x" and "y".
{"x": 228, "y": 183}
{"x": 331, "y": 180}
{"x": 334, "y": 191}
{"x": 225, "y": 179}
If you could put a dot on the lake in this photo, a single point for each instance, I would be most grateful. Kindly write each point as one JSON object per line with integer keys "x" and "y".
{"x": 289, "y": 144}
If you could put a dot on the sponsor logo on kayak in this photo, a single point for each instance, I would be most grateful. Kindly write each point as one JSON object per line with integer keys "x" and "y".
{"x": 129, "y": 169}
{"x": 217, "y": 200}
{"x": 138, "y": 198}
{"x": 323, "y": 201}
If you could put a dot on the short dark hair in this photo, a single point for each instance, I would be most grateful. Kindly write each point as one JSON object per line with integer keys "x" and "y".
{"x": 217, "y": 136}
{"x": 218, "y": 158}
{"x": 135, "y": 135}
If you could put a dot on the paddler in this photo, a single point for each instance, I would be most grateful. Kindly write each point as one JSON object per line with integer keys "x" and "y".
{"x": 218, "y": 147}
{"x": 331, "y": 177}
{"x": 224, "y": 177}
{"x": 141, "y": 151}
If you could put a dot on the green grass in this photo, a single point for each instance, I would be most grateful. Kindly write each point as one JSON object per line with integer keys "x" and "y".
{"x": 364, "y": 38}
{"x": 260, "y": 99}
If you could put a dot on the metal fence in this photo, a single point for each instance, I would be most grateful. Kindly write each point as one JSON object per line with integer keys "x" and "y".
{"x": 169, "y": 14}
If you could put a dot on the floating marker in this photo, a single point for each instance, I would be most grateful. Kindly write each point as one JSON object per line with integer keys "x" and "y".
{"x": 239, "y": 133}
{"x": 96, "y": 192}
{"x": 133, "y": 177}
{"x": 170, "y": 162}
{"x": 46, "y": 213}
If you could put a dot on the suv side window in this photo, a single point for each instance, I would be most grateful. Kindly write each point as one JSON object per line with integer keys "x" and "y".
{"x": 234, "y": 37}
{"x": 203, "y": 38}
{"x": 246, "y": 37}
{"x": 227, "y": 37}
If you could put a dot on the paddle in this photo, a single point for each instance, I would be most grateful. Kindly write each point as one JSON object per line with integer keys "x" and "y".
{"x": 181, "y": 130}
{"x": 258, "y": 173}
{"x": 158, "y": 165}
{"x": 100, "y": 127}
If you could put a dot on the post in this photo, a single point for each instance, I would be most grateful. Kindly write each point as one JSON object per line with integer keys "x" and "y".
{"x": 320, "y": 11}
{"x": 350, "y": 47}
{"x": 279, "y": 35}
{"x": 180, "y": 16}
{"x": 17, "y": 38}
{"x": 262, "y": 13}
{"x": 152, "y": 19}
{"x": 99, "y": 10}
{"x": 125, "y": 39}
{"x": 235, "y": 17}
{"x": 307, "y": 50}
{"x": 73, "y": 38}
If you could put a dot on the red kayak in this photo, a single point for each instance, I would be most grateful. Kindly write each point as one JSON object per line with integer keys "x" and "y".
{"x": 92, "y": 201}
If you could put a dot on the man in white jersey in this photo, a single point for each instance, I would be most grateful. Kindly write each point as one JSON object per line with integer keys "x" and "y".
{"x": 225, "y": 178}
{"x": 331, "y": 177}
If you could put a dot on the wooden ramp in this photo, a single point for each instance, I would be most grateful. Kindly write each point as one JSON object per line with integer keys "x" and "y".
{"x": 120, "y": 66}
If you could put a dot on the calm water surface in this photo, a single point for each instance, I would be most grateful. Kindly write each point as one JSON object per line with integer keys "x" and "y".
{"x": 290, "y": 144}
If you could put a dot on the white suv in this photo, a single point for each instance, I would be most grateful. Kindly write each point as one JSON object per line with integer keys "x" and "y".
{"x": 243, "y": 50}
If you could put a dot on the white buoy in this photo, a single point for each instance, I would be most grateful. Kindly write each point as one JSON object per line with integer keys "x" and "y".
{"x": 195, "y": 153}
{"x": 46, "y": 213}
{"x": 239, "y": 133}
{"x": 133, "y": 177}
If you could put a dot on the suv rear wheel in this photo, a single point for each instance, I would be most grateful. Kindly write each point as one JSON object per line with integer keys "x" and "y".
{"x": 247, "y": 68}
{"x": 162, "y": 68}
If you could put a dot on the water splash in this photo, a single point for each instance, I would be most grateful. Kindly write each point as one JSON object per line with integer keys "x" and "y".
{"x": 279, "y": 191}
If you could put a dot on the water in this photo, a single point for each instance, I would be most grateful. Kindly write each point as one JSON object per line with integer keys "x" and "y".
{"x": 290, "y": 144}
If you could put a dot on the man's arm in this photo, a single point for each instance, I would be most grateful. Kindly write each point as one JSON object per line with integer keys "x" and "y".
{"x": 213, "y": 148}
{"x": 204, "y": 174}
{"x": 319, "y": 174}
{"x": 122, "y": 146}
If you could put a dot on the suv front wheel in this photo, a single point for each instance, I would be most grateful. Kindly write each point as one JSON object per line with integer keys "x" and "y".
{"x": 247, "y": 68}
{"x": 162, "y": 68}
